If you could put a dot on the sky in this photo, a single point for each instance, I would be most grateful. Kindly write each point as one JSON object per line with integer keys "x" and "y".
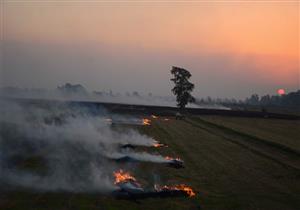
{"x": 231, "y": 48}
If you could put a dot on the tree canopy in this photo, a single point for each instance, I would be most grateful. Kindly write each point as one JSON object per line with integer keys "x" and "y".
{"x": 183, "y": 87}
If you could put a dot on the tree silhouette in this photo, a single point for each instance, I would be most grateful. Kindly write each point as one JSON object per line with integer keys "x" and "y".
{"x": 183, "y": 87}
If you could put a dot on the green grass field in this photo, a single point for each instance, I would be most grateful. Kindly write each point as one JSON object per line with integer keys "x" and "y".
{"x": 231, "y": 163}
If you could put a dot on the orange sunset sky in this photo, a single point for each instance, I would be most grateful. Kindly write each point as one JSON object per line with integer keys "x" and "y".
{"x": 232, "y": 48}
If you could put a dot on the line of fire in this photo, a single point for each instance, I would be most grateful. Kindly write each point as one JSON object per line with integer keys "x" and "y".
{"x": 130, "y": 188}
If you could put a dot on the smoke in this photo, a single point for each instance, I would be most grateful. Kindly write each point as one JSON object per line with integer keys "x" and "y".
{"x": 142, "y": 156}
{"x": 107, "y": 97}
{"x": 59, "y": 147}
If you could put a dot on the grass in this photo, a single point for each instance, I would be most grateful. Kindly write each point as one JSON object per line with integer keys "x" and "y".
{"x": 291, "y": 110}
{"x": 283, "y": 132}
{"x": 225, "y": 163}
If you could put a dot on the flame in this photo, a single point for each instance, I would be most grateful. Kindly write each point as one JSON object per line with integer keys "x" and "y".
{"x": 170, "y": 158}
{"x": 158, "y": 145}
{"x": 154, "y": 117}
{"x": 146, "y": 121}
{"x": 181, "y": 187}
{"x": 121, "y": 176}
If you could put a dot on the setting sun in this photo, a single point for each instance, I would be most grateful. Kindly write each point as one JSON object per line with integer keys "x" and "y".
{"x": 281, "y": 91}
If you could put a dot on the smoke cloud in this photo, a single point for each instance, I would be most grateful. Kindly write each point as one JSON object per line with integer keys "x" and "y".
{"x": 102, "y": 96}
{"x": 59, "y": 147}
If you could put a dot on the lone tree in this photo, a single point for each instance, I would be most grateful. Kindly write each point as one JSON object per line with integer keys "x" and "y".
{"x": 183, "y": 87}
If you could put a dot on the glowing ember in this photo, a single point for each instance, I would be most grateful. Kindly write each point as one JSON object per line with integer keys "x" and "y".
{"x": 146, "y": 121}
{"x": 158, "y": 145}
{"x": 281, "y": 91}
{"x": 181, "y": 187}
{"x": 121, "y": 176}
{"x": 154, "y": 117}
{"x": 170, "y": 158}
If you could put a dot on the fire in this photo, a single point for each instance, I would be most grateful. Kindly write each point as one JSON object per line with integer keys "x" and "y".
{"x": 158, "y": 145}
{"x": 170, "y": 158}
{"x": 181, "y": 187}
{"x": 121, "y": 176}
{"x": 154, "y": 117}
{"x": 146, "y": 121}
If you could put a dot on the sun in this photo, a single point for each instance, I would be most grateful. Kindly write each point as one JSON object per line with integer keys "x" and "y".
{"x": 281, "y": 91}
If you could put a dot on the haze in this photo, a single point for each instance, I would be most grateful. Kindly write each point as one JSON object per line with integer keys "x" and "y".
{"x": 232, "y": 49}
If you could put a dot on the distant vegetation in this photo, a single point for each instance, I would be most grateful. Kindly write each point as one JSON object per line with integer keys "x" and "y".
{"x": 68, "y": 90}
{"x": 291, "y": 99}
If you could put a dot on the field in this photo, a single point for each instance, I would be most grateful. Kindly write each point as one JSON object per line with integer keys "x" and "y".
{"x": 230, "y": 162}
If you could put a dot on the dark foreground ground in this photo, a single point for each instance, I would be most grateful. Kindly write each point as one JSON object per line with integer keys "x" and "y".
{"x": 231, "y": 163}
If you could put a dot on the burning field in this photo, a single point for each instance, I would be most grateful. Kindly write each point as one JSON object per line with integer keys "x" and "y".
{"x": 129, "y": 120}
{"x": 131, "y": 189}
{"x": 66, "y": 157}
{"x": 75, "y": 151}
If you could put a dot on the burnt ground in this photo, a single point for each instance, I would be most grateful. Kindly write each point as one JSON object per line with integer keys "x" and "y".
{"x": 231, "y": 163}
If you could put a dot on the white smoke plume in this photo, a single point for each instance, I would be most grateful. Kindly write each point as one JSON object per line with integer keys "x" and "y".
{"x": 140, "y": 156}
{"x": 66, "y": 145}
{"x": 106, "y": 97}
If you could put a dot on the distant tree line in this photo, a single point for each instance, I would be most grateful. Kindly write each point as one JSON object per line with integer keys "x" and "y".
{"x": 291, "y": 99}
{"x": 69, "y": 89}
